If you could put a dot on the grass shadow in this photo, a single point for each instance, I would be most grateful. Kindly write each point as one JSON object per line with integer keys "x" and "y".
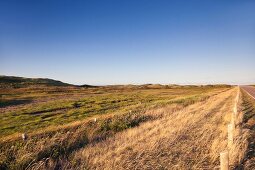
{"x": 6, "y": 103}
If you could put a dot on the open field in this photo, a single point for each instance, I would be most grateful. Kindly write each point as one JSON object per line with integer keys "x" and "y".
{"x": 127, "y": 85}
{"x": 136, "y": 127}
{"x": 190, "y": 138}
{"x": 33, "y": 108}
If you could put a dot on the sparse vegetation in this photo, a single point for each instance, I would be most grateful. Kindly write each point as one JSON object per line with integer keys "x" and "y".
{"x": 19, "y": 82}
{"x": 190, "y": 138}
{"x": 31, "y": 108}
{"x": 179, "y": 127}
{"x": 59, "y": 120}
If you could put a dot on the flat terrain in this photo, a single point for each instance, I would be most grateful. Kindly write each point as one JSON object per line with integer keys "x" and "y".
{"x": 191, "y": 138}
{"x": 33, "y": 108}
{"x": 136, "y": 127}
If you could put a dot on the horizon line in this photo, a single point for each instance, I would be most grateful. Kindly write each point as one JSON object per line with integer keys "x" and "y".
{"x": 136, "y": 84}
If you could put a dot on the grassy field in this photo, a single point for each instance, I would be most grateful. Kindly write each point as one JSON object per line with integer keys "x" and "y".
{"x": 146, "y": 126}
{"x": 59, "y": 120}
{"x": 190, "y": 138}
{"x": 33, "y": 108}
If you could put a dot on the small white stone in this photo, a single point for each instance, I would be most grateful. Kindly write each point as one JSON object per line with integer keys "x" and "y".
{"x": 24, "y": 136}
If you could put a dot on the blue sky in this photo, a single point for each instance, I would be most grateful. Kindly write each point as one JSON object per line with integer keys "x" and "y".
{"x": 129, "y": 41}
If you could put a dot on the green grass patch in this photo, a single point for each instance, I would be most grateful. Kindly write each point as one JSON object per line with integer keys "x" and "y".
{"x": 24, "y": 110}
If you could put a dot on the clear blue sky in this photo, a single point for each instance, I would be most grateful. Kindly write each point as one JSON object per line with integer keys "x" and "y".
{"x": 129, "y": 41}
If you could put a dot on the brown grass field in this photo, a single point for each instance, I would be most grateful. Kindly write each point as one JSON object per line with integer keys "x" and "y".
{"x": 136, "y": 127}
{"x": 190, "y": 138}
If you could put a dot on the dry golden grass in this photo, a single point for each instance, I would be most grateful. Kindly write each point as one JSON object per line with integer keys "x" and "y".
{"x": 53, "y": 146}
{"x": 191, "y": 138}
{"x": 173, "y": 137}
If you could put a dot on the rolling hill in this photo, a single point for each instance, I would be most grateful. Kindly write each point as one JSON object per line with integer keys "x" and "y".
{"x": 21, "y": 82}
